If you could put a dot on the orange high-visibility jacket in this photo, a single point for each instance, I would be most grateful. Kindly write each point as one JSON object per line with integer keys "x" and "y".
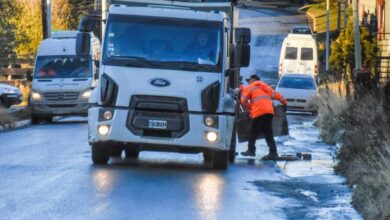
{"x": 257, "y": 97}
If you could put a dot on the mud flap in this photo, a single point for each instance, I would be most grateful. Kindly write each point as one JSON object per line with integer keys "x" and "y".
{"x": 279, "y": 124}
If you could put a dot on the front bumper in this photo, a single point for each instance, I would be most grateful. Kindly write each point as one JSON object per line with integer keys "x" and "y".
{"x": 10, "y": 99}
{"x": 193, "y": 140}
{"x": 79, "y": 108}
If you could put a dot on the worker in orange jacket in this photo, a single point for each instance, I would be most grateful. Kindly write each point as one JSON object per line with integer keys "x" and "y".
{"x": 257, "y": 99}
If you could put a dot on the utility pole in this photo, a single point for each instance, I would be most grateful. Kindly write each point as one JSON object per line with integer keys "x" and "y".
{"x": 358, "y": 59}
{"x": 105, "y": 5}
{"x": 345, "y": 14}
{"x": 339, "y": 15}
{"x": 46, "y": 18}
{"x": 327, "y": 36}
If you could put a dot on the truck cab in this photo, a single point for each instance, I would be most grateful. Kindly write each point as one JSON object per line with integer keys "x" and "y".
{"x": 62, "y": 80}
{"x": 167, "y": 74}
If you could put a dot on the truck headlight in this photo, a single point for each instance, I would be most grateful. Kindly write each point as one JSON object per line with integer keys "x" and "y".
{"x": 86, "y": 94}
{"x": 211, "y": 136}
{"x": 103, "y": 130}
{"x": 36, "y": 96}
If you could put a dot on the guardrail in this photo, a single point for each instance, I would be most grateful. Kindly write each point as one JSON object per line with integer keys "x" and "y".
{"x": 15, "y": 73}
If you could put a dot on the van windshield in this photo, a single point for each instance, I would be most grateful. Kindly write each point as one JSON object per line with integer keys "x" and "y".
{"x": 291, "y": 53}
{"x": 63, "y": 67}
{"x": 163, "y": 43}
{"x": 297, "y": 83}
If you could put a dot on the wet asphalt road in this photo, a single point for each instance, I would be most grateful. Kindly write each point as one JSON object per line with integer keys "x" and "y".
{"x": 46, "y": 171}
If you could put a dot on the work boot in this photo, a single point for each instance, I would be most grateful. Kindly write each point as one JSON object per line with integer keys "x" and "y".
{"x": 270, "y": 156}
{"x": 248, "y": 153}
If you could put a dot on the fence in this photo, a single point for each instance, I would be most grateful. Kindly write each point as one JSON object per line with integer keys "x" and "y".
{"x": 15, "y": 70}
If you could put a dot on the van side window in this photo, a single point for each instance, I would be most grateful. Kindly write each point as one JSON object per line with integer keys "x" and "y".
{"x": 306, "y": 53}
{"x": 291, "y": 53}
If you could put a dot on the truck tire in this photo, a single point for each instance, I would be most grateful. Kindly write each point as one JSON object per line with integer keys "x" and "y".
{"x": 131, "y": 153}
{"x": 116, "y": 152}
{"x": 100, "y": 155}
{"x": 220, "y": 159}
{"x": 232, "y": 150}
{"x": 207, "y": 156}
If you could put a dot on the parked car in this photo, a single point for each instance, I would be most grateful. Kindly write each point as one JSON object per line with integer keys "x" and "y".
{"x": 9, "y": 95}
{"x": 298, "y": 89}
{"x": 299, "y": 55}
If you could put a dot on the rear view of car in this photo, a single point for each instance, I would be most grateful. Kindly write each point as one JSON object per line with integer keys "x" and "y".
{"x": 9, "y": 95}
{"x": 298, "y": 90}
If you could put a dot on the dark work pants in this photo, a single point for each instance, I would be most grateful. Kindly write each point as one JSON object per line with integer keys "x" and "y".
{"x": 262, "y": 123}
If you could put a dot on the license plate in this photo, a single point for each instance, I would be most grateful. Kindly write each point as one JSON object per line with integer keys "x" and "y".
{"x": 157, "y": 124}
{"x": 12, "y": 96}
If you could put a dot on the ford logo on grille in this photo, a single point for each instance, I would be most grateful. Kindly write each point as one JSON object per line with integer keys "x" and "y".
{"x": 160, "y": 82}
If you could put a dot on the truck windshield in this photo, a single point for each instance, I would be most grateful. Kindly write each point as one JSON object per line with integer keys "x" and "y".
{"x": 63, "y": 67}
{"x": 163, "y": 43}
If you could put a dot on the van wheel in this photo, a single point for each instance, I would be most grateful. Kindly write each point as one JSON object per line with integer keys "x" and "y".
{"x": 232, "y": 150}
{"x": 207, "y": 156}
{"x": 131, "y": 153}
{"x": 220, "y": 159}
{"x": 4, "y": 103}
{"x": 35, "y": 120}
{"x": 100, "y": 154}
{"x": 48, "y": 119}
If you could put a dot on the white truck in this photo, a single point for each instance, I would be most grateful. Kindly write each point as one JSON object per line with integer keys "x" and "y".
{"x": 62, "y": 80}
{"x": 167, "y": 74}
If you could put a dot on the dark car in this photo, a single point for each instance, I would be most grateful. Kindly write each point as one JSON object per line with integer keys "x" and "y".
{"x": 9, "y": 95}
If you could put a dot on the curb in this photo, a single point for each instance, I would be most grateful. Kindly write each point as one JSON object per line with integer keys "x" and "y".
{"x": 16, "y": 125}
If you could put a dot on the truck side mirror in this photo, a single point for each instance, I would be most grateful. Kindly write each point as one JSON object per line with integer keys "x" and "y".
{"x": 242, "y": 35}
{"x": 88, "y": 23}
{"x": 83, "y": 43}
{"x": 245, "y": 55}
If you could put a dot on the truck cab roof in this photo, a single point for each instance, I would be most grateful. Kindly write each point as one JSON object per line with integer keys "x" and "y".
{"x": 168, "y": 12}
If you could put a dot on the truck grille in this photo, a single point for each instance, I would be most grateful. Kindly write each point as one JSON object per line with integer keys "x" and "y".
{"x": 173, "y": 111}
{"x": 61, "y": 96}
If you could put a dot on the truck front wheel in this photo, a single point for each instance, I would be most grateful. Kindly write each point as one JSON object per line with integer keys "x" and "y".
{"x": 220, "y": 159}
{"x": 100, "y": 154}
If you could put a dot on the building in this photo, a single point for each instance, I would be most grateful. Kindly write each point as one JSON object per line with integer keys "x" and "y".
{"x": 383, "y": 18}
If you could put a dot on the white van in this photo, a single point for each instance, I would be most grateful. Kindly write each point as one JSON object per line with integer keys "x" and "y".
{"x": 299, "y": 55}
{"x": 62, "y": 80}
